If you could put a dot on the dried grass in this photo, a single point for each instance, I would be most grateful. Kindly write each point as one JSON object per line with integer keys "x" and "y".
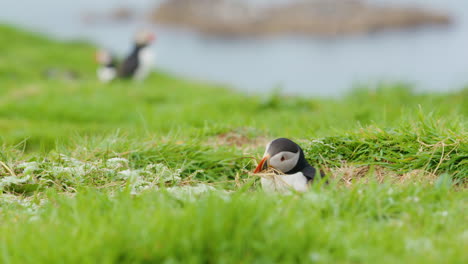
{"x": 348, "y": 175}
{"x": 237, "y": 139}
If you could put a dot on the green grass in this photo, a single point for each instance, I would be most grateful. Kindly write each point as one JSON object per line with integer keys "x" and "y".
{"x": 94, "y": 173}
{"x": 364, "y": 224}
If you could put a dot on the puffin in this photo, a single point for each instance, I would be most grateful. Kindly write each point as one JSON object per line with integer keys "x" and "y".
{"x": 107, "y": 70}
{"x": 138, "y": 64}
{"x": 288, "y": 158}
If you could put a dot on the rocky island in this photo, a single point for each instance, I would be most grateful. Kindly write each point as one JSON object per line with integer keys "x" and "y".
{"x": 314, "y": 17}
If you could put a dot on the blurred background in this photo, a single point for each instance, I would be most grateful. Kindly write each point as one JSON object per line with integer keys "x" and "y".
{"x": 321, "y": 47}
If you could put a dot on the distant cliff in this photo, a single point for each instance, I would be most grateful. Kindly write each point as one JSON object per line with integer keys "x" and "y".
{"x": 314, "y": 17}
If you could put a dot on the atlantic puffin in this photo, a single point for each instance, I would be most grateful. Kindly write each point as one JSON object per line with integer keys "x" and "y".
{"x": 107, "y": 70}
{"x": 287, "y": 157}
{"x": 138, "y": 64}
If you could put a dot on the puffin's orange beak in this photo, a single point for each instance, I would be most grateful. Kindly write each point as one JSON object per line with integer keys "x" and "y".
{"x": 262, "y": 165}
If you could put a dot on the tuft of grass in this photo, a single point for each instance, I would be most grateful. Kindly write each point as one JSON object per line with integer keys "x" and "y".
{"x": 436, "y": 146}
{"x": 412, "y": 224}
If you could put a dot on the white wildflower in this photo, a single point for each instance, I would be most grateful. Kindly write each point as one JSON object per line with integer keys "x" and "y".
{"x": 318, "y": 141}
{"x": 164, "y": 173}
{"x": 129, "y": 174}
{"x": 116, "y": 163}
{"x": 29, "y": 205}
{"x": 28, "y": 167}
{"x": 68, "y": 171}
{"x": 71, "y": 161}
{"x": 13, "y": 180}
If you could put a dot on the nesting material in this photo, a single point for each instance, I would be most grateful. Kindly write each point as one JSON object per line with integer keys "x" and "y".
{"x": 275, "y": 181}
{"x": 348, "y": 175}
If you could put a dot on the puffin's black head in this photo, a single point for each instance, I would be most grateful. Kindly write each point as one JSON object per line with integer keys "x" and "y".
{"x": 284, "y": 155}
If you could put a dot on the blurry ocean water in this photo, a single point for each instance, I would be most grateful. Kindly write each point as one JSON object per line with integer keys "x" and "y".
{"x": 433, "y": 59}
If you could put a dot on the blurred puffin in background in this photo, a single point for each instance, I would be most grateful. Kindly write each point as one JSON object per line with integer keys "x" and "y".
{"x": 139, "y": 63}
{"x": 107, "y": 70}
{"x": 288, "y": 158}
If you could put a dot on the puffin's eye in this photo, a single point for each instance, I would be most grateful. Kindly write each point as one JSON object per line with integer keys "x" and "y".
{"x": 282, "y": 158}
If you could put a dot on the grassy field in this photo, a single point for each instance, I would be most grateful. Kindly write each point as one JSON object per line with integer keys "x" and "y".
{"x": 158, "y": 172}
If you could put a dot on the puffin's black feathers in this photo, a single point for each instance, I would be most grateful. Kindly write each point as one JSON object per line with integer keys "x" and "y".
{"x": 130, "y": 64}
{"x": 283, "y": 144}
{"x": 112, "y": 63}
{"x": 309, "y": 172}
{"x": 302, "y": 165}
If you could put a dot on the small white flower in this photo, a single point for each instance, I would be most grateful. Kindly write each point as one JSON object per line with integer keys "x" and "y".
{"x": 28, "y": 167}
{"x": 116, "y": 163}
{"x": 129, "y": 174}
{"x": 12, "y": 180}
{"x": 68, "y": 171}
{"x": 71, "y": 161}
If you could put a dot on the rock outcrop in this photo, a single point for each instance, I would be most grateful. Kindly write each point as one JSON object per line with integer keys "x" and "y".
{"x": 313, "y": 17}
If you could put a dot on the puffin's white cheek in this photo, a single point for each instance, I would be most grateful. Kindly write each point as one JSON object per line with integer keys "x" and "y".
{"x": 287, "y": 165}
{"x": 284, "y": 161}
{"x": 275, "y": 162}
{"x": 283, "y": 166}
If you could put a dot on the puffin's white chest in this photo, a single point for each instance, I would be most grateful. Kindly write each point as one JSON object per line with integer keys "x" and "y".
{"x": 106, "y": 74}
{"x": 145, "y": 63}
{"x": 284, "y": 183}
